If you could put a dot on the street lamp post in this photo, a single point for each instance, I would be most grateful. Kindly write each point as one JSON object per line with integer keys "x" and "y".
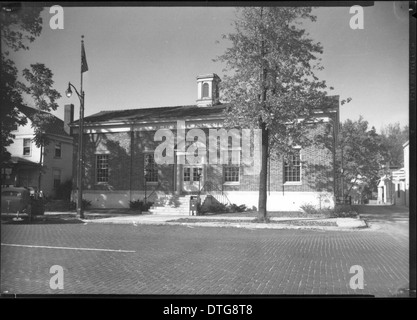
{"x": 80, "y": 213}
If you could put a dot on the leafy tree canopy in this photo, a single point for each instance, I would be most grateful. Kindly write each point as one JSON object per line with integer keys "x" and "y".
{"x": 361, "y": 155}
{"x": 393, "y": 138}
{"x": 271, "y": 56}
{"x": 40, "y": 87}
{"x": 19, "y": 26}
{"x": 271, "y": 82}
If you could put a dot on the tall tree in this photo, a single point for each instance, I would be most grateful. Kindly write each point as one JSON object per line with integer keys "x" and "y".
{"x": 393, "y": 138}
{"x": 19, "y": 25}
{"x": 361, "y": 156}
{"x": 272, "y": 85}
{"x": 40, "y": 87}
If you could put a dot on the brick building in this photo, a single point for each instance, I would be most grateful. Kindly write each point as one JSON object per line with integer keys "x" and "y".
{"x": 120, "y": 163}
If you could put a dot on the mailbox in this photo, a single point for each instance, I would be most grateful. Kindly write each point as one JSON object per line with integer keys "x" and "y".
{"x": 193, "y": 205}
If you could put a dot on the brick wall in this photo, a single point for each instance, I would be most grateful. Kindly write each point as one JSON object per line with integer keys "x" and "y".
{"x": 127, "y": 172}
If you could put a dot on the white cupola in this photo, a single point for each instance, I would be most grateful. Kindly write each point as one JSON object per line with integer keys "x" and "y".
{"x": 208, "y": 90}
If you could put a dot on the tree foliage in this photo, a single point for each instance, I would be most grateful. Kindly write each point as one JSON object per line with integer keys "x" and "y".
{"x": 393, "y": 138}
{"x": 19, "y": 26}
{"x": 271, "y": 82}
{"x": 10, "y": 100}
{"x": 361, "y": 155}
{"x": 40, "y": 87}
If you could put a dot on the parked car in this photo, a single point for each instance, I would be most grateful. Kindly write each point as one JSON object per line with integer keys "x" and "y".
{"x": 18, "y": 202}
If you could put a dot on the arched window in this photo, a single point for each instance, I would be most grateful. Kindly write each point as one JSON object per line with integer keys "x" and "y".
{"x": 205, "y": 90}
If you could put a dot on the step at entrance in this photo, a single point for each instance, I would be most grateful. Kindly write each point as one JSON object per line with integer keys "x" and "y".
{"x": 175, "y": 206}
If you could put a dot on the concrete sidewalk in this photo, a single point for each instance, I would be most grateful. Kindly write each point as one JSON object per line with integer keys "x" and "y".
{"x": 237, "y": 222}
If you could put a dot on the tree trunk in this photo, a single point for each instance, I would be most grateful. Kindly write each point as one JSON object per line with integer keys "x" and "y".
{"x": 263, "y": 177}
{"x": 262, "y": 213}
{"x": 40, "y": 170}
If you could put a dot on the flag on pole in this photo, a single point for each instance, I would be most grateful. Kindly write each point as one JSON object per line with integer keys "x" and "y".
{"x": 84, "y": 66}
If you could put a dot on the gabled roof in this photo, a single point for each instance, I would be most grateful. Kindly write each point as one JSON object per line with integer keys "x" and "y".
{"x": 55, "y": 127}
{"x": 173, "y": 113}
{"x": 152, "y": 114}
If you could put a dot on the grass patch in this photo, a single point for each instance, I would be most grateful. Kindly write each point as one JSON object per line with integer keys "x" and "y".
{"x": 267, "y": 220}
{"x": 271, "y": 214}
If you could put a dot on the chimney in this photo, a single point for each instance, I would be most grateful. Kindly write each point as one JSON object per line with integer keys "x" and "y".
{"x": 208, "y": 90}
{"x": 68, "y": 117}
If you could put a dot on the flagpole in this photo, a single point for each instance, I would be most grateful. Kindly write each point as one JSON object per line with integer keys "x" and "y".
{"x": 80, "y": 211}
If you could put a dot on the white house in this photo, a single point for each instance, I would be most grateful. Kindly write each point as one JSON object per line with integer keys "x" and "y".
{"x": 43, "y": 168}
{"x": 393, "y": 187}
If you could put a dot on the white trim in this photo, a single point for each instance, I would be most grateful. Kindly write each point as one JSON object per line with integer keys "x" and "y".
{"x": 232, "y": 183}
{"x": 96, "y": 168}
{"x": 293, "y": 183}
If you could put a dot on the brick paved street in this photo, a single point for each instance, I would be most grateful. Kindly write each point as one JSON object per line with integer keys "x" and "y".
{"x": 200, "y": 260}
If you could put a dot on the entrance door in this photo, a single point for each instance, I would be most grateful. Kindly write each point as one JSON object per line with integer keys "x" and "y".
{"x": 192, "y": 178}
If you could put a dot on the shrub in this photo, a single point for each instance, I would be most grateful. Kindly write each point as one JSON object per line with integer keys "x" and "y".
{"x": 213, "y": 208}
{"x": 235, "y": 208}
{"x": 309, "y": 209}
{"x": 140, "y": 205}
{"x": 339, "y": 211}
{"x": 85, "y": 204}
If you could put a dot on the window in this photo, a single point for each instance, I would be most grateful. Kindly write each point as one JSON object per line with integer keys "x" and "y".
{"x": 57, "y": 178}
{"x": 58, "y": 150}
{"x": 187, "y": 174}
{"x": 102, "y": 173}
{"x": 151, "y": 171}
{"x": 197, "y": 173}
{"x": 292, "y": 168}
{"x": 231, "y": 171}
{"x": 27, "y": 147}
{"x": 205, "y": 90}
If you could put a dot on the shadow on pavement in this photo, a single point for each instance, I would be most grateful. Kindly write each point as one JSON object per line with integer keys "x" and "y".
{"x": 43, "y": 220}
{"x": 390, "y": 213}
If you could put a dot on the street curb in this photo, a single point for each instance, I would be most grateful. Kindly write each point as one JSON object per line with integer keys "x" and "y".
{"x": 352, "y": 224}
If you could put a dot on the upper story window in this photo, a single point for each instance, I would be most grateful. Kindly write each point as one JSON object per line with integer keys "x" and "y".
{"x": 205, "y": 90}
{"x": 27, "y": 146}
{"x": 58, "y": 150}
{"x": 150, "y": 169}
{"x": 292, "y": 168}
{"x": 102, "y": 168}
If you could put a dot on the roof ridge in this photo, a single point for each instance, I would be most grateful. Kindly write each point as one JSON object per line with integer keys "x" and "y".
{"x": 117, "y": 110}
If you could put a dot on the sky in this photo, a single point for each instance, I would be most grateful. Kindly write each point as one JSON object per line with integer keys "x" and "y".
{"x": 142, "y": 57}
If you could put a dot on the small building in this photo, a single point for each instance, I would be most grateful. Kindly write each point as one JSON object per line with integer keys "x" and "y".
{"x": 120, "y": 164}
{"x": 407, "y": 172}
{"x": 41, "y": 168}
{"x": 393, "y": 186}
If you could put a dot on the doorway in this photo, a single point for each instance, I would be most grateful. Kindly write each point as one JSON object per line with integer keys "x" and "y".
{"x": 192, "y": 178}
